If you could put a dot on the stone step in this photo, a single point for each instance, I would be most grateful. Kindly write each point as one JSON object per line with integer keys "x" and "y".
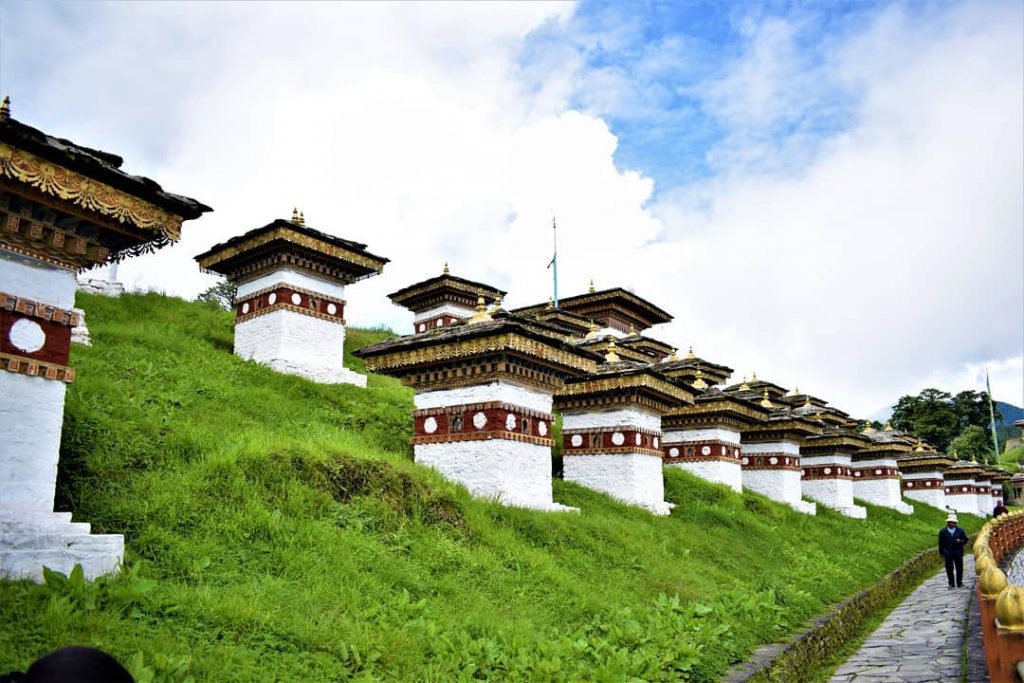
{"x": 22, "y": 556}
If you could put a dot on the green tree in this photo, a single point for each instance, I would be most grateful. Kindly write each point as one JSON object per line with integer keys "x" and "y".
{"x": 221, "y": 294}
{"x": 929, "y": 416}
{"x": 971, "y": 408}
{"x": 973, "y": 444}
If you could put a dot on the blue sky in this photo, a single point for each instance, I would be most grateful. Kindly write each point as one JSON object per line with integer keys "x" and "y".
{"x": 648, "y": 66}
{"x": 829, "y": 194}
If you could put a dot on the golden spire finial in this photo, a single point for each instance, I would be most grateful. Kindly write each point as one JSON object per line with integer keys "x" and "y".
{"x": 807, "y": 400}
{"x": 672, "y": 357}
{"x": 765, "y": 401}
{"x": 446, "y": 271}
{"x": 744, "y": 386}
{"x": 302, "y": 218}
{"x": 481, "y": 314}
{"x": 5, "y": 108}
{"x": 796, "y": 391}
{"x": 295, "y": 216}
{"x": 868, "y": 429}
{"x": 699, "y": 383}
{"x": 611, "y": 356}
{"x": 689, "y": 353}
{"x": 920, "y": 444}
{"x": 753, "y": 378}
{"x": 551, "y": 302}
{"x": 497, "y": 305}
{"x": 591, "y": 289}
{"x": 632, "y": 329}
{"x": 818, "y": 416}
{"x": 593, "y": 330}
{"x": 888, "y": 428}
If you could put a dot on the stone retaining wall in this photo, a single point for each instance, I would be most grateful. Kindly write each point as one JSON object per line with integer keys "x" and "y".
{"x": 803, "y": 656}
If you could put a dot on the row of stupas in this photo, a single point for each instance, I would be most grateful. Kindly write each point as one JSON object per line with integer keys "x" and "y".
{"x": 488, "y": 382}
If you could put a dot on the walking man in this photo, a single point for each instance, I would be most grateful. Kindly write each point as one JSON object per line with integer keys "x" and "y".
{"x": 952, "y": 540}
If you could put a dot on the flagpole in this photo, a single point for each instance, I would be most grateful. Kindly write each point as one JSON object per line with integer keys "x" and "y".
{"x": 992, "y": 415}
{"x": 554, "y": 260}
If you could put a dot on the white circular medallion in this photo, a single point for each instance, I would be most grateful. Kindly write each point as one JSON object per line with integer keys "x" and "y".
{"x": 272, "y": 299}
{"x": 655, "y": 442}
{"x": 639, "y": 439}
{"x": 857, "y": 473}
{"x": 746, "y": 461}
{"x": 510, "y": 422}
{"x": 773, "y": 460}
{"x": 618, "y": 438}
{"x": 422, "y": 327}
{"x": 245, "y": 308}
{"x": 827, "y": 470}
{"x": 542, "y": 428}
{"x": 674, "y": 452}
{"x": 479, "y": 420}
{"x": 27, "y": 335}
{"x": 705, "y": 450}
{"x": 439, "y": 323}
{"x": 332, "y": 309}
{"x": 965, "y": 488}
{"x": 725, "y": 451}
{"x": 296, "y": 299}
{"x": 430, "y": 425}
{"x": 877, "y": 472}
{"x": 927, "y": 483}
{"x": 910, "y": 484}
{"x": 576, "y": 440}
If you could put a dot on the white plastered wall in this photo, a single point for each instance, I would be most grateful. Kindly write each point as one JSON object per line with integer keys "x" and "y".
{"x": 510, "y": 472}
{"x": 287, "y": 276}
{"x": 780, "y": 485}
{"x": 882, "y": 492}
{"x": 936, "y": 497}
{"x": 32, "y": 410}
{"x": 444, "y": 309}
{"x": 834, "y": 493}
{"x": 962, "y": 502}
{"x": 634, "y": 478}
{"x": 715, "y": 471}
{"x": 607, "y": 419}
{"x": 495, "y": 391}
{"x": 296, "y": 344}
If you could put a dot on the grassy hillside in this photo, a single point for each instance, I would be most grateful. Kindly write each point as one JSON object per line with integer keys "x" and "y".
{"x": 277, "y": 530}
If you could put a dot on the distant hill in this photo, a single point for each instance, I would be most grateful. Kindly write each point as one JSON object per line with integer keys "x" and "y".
{"x": 1010, "y": 412}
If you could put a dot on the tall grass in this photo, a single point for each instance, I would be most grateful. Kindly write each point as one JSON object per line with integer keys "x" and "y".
{"x": 278, "y": 530}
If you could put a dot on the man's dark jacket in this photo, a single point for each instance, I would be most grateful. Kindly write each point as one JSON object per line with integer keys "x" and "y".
{"x": 952, "y": 545}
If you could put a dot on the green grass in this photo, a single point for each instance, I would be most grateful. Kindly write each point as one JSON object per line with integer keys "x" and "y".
{"x": 278, "y": 530}
{"x": 1010, "y": 459}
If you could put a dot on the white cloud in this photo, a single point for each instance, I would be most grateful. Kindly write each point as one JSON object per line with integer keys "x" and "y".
{"x": 886, "y": 259}
{"x": 893, "y": 258}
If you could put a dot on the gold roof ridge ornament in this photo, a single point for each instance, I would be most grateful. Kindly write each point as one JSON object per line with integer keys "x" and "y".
{"x": 807, "y": 400}
{"x": 481, "y": 315}
{"x": 753, "y": 378}
{"x": 446, "y": 271}
{"x": 699, "y": 383}
{"x": 868, "y": 429}
{"x": 889, "y": 428}
{"x": 5, "y": 108}
{"x": 551, "y": 303}
{"x": 689, "y": 354}
{"x": 496, "y": 307}
{"x": 611, "y": 356}
{"x": 765, "y": 401}
{"x": 744, "y": 386}
{"x": 591, "y": 289}
{"x": 632, "y": 330}
{"x": 297, "y": 217}
{"x": 920, "y": 444}
{"x": 672, "y": 357}
{"x": 593, "y": 330}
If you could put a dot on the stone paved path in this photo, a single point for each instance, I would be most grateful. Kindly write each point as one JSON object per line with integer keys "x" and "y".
{"x": 920, "y": 641}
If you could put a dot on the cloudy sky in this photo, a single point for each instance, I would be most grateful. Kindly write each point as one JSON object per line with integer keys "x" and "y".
{"x": 827, "y": 194}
